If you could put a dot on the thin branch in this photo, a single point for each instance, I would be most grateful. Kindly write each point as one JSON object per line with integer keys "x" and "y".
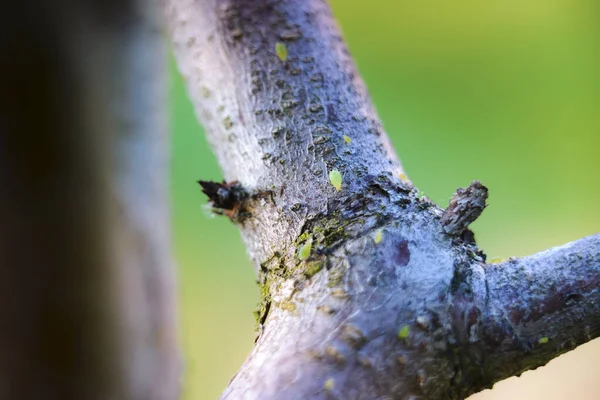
{"x": 540, "y": 306}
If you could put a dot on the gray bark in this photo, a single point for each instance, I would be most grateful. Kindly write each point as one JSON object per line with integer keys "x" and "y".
{"x": 87, "y": 301}
{"x": 370, "y": 291}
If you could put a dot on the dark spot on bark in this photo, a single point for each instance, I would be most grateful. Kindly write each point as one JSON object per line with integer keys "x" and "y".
{"x": 377, "y": 188}
{"x": 572, "y": 299}
{"x": 501, "y": 334}
{"x": 335, "y": 355}
{"x": 315, "y": 107}
{"x": 331, "y": 116}
{"x": 472, "y": 318}
{"x": 516, "y": 315}
{"x": 236, "y": 33}
{"x": 227, "y": 123}
{"x": 461, "y": 280}
{"x": 302, "y": 97}
{"x": 467, "y": 236}
{"x": 402, "y": 255}
{"x": 290, "y": 34}
{"x": 326, "y": 309}
{"x": 354, "y": 336}
{"x": 318, "y": 77}
{"x": 261, "y": 315}
{"x": 554, "y": 301}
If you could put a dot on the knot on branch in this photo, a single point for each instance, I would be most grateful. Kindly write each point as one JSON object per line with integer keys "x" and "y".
{"x": 465, "y": 206}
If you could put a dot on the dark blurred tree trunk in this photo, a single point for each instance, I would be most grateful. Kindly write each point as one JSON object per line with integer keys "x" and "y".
{"x": 369, "y": 291}
{"x": 87, "y": 306}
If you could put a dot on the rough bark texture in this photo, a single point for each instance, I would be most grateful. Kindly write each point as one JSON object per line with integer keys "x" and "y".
{"x": 365, "y": 292}
{"x": 86, "y": 279}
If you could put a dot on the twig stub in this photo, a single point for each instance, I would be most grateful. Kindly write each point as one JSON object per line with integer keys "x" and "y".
{"x": 465, "y": 206}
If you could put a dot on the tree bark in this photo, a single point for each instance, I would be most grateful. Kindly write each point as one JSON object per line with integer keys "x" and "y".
{"x": 87, "y": 300}
{"x": 369, "y": 290}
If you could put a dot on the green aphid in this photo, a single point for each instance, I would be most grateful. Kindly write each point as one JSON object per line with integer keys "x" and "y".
{"x": 403, "y": 332}
{"x": 378, "y": 236}
{"x": 329, "y": 384}
{"x": 335, "y": 177}
{"x": 304, "y": 250}
{"x": 281, "y": 51}
{"x": 543, "y": 340}
{"x": 347, "y": 139}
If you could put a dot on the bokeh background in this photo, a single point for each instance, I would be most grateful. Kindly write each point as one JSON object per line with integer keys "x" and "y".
{"x": 504, "y": 91}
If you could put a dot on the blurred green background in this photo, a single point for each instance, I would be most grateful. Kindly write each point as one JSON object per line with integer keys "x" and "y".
{"x": 507, "y": 92}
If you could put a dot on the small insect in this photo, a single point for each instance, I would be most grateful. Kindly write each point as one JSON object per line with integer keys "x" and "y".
{"x": 347, "y": 139}
{"x": 378, "y": 236}
{"x": 304, "y": 250}
{"x": 335, "y": 177}
{"x": 403, "y": 332}
{"x": 281, "y": 51}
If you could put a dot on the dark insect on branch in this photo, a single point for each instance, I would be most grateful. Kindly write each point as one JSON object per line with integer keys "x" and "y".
{"x": 226, "y": 198}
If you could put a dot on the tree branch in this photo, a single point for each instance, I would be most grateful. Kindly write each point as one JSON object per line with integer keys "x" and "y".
{"x": 539, "y": 307}
{"x": 366, "y": 287}
{"x": 87, "y": 301}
